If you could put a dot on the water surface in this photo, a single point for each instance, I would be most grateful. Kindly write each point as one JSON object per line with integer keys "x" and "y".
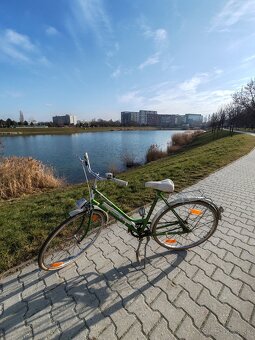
{"x": 106, "y": 149}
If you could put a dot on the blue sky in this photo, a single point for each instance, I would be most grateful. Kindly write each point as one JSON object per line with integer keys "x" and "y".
{"x": 96, "y": 58}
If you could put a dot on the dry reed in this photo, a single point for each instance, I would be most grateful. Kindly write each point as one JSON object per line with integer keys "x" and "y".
{"x": 22, "y": 175}
{"x": 129, "y": 160}
{"x": 154, "y": 153}
{"x": 181, "y": 139}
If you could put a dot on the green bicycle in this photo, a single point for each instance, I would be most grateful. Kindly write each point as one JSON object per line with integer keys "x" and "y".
{"x": 180, "y": 224}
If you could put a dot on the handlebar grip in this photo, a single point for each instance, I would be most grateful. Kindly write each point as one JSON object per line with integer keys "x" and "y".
{"x": 86, "y": 158}
{"x": 120, "y": 182}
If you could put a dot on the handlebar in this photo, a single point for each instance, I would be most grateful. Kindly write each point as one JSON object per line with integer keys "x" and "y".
{"x": 120, "y": 182}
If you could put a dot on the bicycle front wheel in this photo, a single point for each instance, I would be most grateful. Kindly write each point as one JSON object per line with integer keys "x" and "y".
{"x": 185, "y": 225}
{"x": 70, "y": 239}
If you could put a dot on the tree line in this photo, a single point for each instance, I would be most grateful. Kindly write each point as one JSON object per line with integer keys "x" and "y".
{"x": 9, "y": 123}
{"x": 239, "y": 113}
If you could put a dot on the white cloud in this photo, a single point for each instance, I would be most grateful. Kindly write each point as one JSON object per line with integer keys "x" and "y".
{"x": 180, "y": 98}
{"x": 248, "y": 59}
{"x": 248, "y": 62}
{"x": 218, "y": 71}
{"x": 90, "y": 15}
{"x": 233, "y": 12}
{"x": 15, "y": 46}
{"x": 159, "y": 35}
{"x": 192, "y": 84}
{"x": 16, "y": 39}
{"x": 51, "y": 31}
{"x": 152, "y": 60}
{"x": 116, "y": 73}
{"x": 198, "y": 79}
{"x": 132, "y": 98}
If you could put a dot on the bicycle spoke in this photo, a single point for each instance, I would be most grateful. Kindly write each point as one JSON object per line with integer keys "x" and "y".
{"x": 69, "y": 240}
{"x": 199, "y": 219}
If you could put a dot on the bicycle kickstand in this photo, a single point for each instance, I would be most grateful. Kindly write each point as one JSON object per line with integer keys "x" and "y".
{"x": 145, "y": 251}
{"x": 137, "y": 250}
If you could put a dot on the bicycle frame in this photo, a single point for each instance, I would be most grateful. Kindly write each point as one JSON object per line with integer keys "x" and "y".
{"x": 135, "y": 226}
{"x": 132, "y": 223}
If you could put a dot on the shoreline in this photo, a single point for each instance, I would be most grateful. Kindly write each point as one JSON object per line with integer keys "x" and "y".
{"x": 14, "y": 132}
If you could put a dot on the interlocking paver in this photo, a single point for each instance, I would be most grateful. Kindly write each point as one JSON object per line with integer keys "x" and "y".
{"x": 135, "y": 332}
{"x": 233, "y": 283}
{"x": 214, "y": 286}
{"x": 231, "y": 260}
{"x": 161, "y": 331}
{"x": 205, "y": 292}
{"x": 169, "y": 311}
{"x": 213, "y": 328}
{"x": 195, "y": 311}
{"x": 245, "y": 308}
{"x": 208, "y": 267}
{"x": 241, "y": 275}
{"x": 239, "y": 326}
{"x": 192, "y": 287}
{"x": 188, "y": 331}
{"x": 219, "y": 309}
{"x": 226, "y": 266}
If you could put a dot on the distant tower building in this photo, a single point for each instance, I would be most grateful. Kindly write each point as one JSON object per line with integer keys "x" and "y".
{"x": 21, "y": 117}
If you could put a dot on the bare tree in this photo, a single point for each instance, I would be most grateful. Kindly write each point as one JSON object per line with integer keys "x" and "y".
{"x": 245, "y": 100}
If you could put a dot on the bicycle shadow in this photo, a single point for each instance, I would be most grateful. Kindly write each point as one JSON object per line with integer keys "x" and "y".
{"x": 92, "y": 296}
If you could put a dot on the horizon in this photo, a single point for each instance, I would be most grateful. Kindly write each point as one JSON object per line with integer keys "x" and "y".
{"x": 89, "y": 120}
{"x": 94, "y": 59}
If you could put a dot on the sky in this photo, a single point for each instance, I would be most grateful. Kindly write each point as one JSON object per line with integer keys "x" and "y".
{"x": 96, "y": 58}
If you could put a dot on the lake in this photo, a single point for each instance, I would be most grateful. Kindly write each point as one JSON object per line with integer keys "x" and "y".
{"x": 106, "y": 149}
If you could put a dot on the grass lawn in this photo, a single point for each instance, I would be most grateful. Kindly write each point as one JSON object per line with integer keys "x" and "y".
{"x": 26, "y": 222}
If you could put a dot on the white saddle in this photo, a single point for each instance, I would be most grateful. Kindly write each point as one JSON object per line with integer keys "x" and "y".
{"x": 166, "y": 185}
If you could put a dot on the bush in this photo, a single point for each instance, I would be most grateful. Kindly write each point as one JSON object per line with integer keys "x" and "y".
{"x": 24, "y": 175}
{"x": 154, "y": 153}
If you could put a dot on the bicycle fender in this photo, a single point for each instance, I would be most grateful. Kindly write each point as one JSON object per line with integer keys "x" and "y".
{"x": 78, "y": 211}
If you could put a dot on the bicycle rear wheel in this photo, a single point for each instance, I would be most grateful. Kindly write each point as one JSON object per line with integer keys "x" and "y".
{"x": 70, "y": 239}
{"x": 199, "y": 220}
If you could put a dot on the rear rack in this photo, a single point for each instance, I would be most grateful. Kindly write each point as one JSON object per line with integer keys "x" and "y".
{"x": 187, "y": 195}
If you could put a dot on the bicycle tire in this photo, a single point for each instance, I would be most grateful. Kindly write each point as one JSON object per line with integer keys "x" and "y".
{"x": 70, "y": 239}
{"x": 199, "y": 216}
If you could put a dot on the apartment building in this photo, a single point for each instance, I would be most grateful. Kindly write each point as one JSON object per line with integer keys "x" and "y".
{"x": 143, "y": 117}
{"x": 152, "y": 118}
{"x": 193, "y": 119}
{"x": 64, "y": 120}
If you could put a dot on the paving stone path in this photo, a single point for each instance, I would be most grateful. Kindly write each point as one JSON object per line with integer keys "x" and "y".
{"x": 206, "y": 292}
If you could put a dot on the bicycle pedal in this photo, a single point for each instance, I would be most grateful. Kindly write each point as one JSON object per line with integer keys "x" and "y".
{"x": 141, "y": 211}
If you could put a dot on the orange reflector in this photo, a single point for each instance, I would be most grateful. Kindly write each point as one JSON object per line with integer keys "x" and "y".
{"x": 56, "y": 264}
{"x": 95, "y": 218}
{"x": 195, "y": 211}
{"x": 170, "y": 240}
